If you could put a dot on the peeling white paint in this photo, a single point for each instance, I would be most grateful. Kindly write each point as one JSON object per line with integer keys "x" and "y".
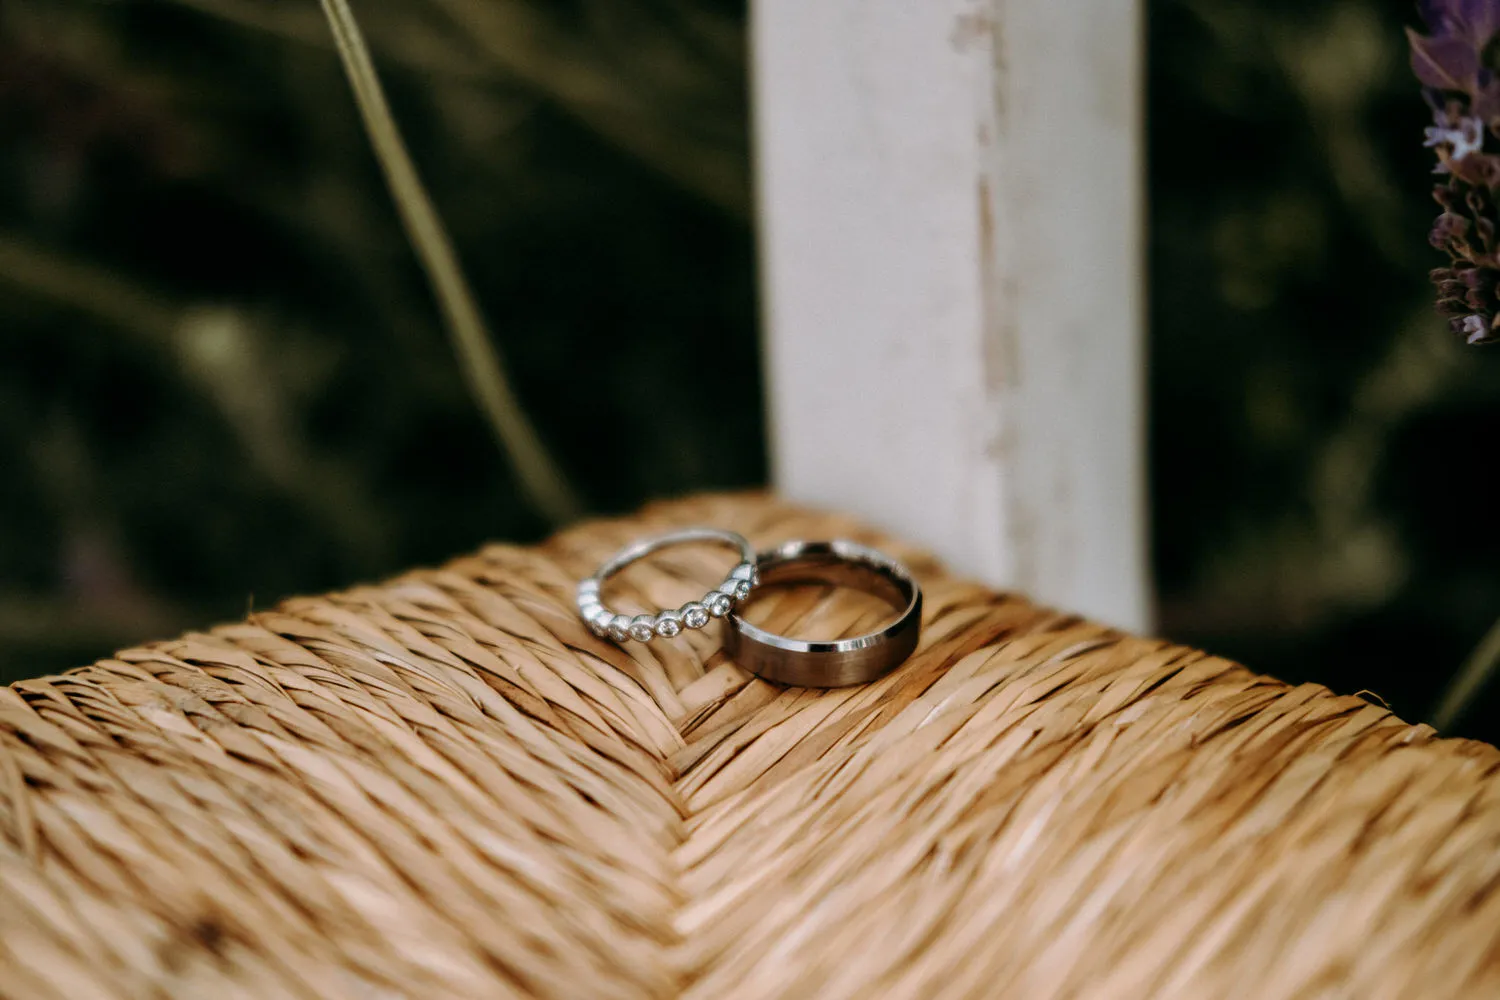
{"x": 950, "y": 197}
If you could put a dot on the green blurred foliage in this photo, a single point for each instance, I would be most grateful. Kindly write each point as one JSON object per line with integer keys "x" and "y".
{"x": 223, "y": 380}
{"x": 222, "y": 376}
{"x": 1320, "y": 447}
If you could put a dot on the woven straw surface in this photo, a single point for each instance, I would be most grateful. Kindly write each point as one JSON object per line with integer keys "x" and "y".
{"x": 444, "y": 786}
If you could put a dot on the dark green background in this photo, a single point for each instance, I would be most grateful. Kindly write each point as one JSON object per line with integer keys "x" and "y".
{"x": 222, "y": 379}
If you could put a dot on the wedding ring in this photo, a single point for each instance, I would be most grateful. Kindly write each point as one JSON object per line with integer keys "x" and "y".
{"x": 717, "y": 603}
{"x": 818, "y": 663}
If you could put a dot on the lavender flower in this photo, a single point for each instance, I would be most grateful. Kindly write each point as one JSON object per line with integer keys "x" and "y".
{"x": 1458, "y": 70}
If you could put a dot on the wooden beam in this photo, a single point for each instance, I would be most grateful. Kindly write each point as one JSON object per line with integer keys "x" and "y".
{"x": 950, "y": 194}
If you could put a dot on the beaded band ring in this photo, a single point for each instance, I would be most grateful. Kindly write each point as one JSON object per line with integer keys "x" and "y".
{"x": 717, "y": 603}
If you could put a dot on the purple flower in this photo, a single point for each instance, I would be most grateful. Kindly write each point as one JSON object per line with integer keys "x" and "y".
{"x": 1476, "y": 20}
{"x": 1461, "y": 141}
{"x": 1458, "y": 71}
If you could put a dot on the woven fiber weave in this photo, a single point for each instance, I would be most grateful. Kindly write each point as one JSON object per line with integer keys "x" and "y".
{"x": 444, "y": 787}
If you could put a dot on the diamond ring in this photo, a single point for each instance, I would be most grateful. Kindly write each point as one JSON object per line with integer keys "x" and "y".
{"x": 717, "y": 603}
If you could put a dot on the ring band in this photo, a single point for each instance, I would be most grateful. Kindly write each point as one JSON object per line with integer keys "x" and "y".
{"x": 831, "y": 663}
{"x": 717, "y": 603}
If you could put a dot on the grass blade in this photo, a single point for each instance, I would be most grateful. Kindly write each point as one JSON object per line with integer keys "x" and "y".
{"x": 1469, "y": 681}
{"x": 483, "y": 369}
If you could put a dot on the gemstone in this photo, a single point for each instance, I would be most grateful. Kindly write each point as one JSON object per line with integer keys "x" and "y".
{"x": 667, "y": 625}
{"x": 718, "y": 604}
{"x": 599, "y": 621}
{"x": 619, "y": 628}
{"x": 642, "y": 628}
{"x": 694, "y": 615}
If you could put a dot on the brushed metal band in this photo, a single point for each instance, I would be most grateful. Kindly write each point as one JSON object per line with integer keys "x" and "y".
{"x": 830, "y": 663}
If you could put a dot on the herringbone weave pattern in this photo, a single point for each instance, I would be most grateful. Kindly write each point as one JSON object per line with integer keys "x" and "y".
{"x": 445, "y": 787}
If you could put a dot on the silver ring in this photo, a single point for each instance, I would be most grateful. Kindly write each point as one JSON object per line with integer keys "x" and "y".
{"x": 717, "y": 603}
{"x": 810, "y": 663}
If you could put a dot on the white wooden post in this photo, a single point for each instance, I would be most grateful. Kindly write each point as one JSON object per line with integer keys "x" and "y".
{"x": 950, "y": 196}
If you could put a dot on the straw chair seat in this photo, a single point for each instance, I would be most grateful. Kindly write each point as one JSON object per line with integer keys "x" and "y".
{"x": 444, "y": 786}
